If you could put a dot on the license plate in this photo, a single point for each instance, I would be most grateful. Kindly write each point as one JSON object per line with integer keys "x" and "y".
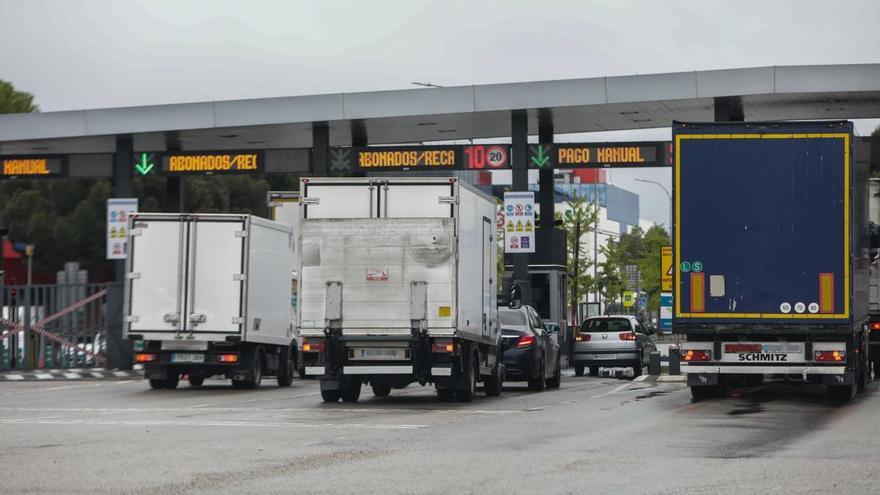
{"x": 187, "y": 358}
{"x": 379, "y": 353}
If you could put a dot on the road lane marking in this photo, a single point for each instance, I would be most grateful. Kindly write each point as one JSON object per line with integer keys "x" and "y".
{"x": 201, "y": 408}
{"x": 611, "y": 392}
{"x": 122, "y": 422}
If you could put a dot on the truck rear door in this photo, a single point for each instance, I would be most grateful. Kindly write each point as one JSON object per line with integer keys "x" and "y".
{"x": 216, "y": 276}
{"x": 155, "y": 281}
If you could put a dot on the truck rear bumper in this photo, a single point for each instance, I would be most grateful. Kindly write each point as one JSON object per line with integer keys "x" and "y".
{"x": 762, "y": 370}
{"x": 378, "y": 370}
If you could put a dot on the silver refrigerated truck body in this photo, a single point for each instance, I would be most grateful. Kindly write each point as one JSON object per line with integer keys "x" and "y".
{"x": 209, "y": 294}
{"x": 398, "y": 285}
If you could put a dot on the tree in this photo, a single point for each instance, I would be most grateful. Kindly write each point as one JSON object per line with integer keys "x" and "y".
{"x": 15, "y": 101}
{"x": 580, "y": 218}
{"x": 639, "y": 248}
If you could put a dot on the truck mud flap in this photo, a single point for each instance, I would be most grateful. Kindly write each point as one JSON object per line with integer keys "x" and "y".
{"x": 702, "y": 379}
{"x": 848, "y": 378}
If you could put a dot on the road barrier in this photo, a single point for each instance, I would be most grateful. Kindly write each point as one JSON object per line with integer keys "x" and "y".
{"x": 69, "y": 329}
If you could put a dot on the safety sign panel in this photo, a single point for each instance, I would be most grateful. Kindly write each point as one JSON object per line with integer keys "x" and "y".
{"x": 629, "y": 299}
{"x": 666, "y": 312}
{"x": 519, "y": 222}
{"x": 118, "y": 211}
{"x": 666, "y": 268}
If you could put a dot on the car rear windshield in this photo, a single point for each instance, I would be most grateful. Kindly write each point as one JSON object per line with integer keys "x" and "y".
{"x": 512, "y": 317}
{"x": 606, "y": 325}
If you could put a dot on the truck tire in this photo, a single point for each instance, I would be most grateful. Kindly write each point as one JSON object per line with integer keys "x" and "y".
{"x": 578, "y": 371}
{"x": 286, "y": 367}
{"x": 538, "y": 384}
{"x": 842, "y": 393}
{"x": 380, "y": 389}
{"x": 444, "y": 395}
{"x": 330, "y": 395}
{"x": 754, "y": 380}
{"x": 556, "y": 380}
{"x": 493, "y": 384}
{"x": 352, "y": 392}
{"x": 877, "y": 369}
{"x": 256, "y": 373}
{"x": 157, "y": 383}
{"x": 472, "y": 370}
{"x": 172, "y": 381}
{"x": 196, "y": 381}
{"x": 594, "y": 371}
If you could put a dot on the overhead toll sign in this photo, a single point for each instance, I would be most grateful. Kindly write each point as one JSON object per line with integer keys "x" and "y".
{"x": 418, "y": 158}
{"x": 197, "y": 163}
{"x": 599, "y": 155}
{"x": 32, "y": 167}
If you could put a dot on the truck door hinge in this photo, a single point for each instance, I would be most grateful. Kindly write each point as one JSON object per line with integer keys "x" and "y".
{"x": 310, "y": 201}
{"x": 131, "y": 319}
{"x": 237, "y": 320}
{"x": 241, "y": 233}
{"x": 451, "y": 200}
{"x": 173, "y": 318}
{"x": 197, "y": 318}
{"x": 239, "y": 277}
{"x": 135, "y": 232}
{"x": 132, "y": 275}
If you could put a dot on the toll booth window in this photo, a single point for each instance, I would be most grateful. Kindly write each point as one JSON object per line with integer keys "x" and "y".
{"x": 541, "y": 294}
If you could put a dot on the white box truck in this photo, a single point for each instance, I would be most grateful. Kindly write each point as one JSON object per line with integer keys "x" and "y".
{"x": 210, "y": 294}
{"x": 398, "y": 283}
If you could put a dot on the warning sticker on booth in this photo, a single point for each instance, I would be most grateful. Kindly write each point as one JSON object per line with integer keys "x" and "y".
{"x": 377, "y": 274}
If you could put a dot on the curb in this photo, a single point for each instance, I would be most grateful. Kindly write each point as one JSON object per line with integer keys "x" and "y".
{"x": 70, "y": 374}
{"x": 662, "y": 378}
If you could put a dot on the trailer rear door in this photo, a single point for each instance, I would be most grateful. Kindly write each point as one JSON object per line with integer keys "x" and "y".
{"x": 156, "y": 258}
{"x": 216, "y": 276}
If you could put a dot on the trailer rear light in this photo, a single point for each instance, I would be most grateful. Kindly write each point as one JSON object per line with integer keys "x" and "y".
{"x": 313, "y": 346}
{"x": 144, "y": 357}
{"x": 696, "y": 355}
{"x": 525, "y": 341}
{"x": 443, "y": 347}
{"x": 582, "y": 337}
{"x": 228, "y": 358}
{"x": 737, "y": 348}
{"x": 874, "y": 326}
{"x": 830, "y": 356}
{"x": 626, "y": 336}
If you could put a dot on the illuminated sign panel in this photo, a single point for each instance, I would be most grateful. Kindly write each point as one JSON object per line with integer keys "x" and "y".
{"x": 31, "y": 166}
{"x": 599, "y": 155}
{"x": 405, "y": 158}
{"x": 197, "y": 162}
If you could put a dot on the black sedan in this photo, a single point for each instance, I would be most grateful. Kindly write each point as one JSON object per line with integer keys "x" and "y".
{"x": 531, "y": 351}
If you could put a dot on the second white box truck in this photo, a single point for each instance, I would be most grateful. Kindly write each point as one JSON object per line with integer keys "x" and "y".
{"x": 398, "y": 285}
{"x": 210, "y": 295}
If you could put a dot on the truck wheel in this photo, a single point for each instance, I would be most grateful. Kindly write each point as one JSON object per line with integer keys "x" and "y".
{"x": 172, "y": 381}
{"x": 754, "y": 380}
{"x": 842, "y": 393}
{"x": 467, "y": 395}
{"x": 157, "y": 383}
{"x": 494, "y": 383}
{"x": 196, "y": 381}
{"x": 352, "y": 393}
{"x": 445, "y": 395}
{"x": 877, "y": 369}
{"x": 703, "y": 392}
{"x": 594, "y": 371}
{"x": 578, "y": 371}
{"x": 256, "y": 373}
{"x": 286, "y": 367}
{"x": 330, "y": 395}
{"x": 380, "y": 389}
{"x": 538, "y": 384}
{"x": 556, "y": 379}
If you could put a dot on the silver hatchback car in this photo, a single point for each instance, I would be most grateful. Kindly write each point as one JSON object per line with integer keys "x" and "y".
{"x": 612, "y": 341}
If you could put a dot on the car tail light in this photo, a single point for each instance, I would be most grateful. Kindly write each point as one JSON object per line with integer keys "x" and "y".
{"x": 144, "y": 357}
{"x": 737, "y": 348}
{"x": 525, "y": 341}
{"x": 696, "y": 355}
{"x": 874, "y": 326}
{"x": 626, "y": 336}
{"x": 313, "y": 346}
{"x": 833, "y": 356}
{"x": 582, "y": 337}
{"x": 443, "y": 347}
{"x": 228, "y": 358}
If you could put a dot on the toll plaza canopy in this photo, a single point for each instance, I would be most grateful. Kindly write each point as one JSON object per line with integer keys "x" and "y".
{"x": 439, "y": 114}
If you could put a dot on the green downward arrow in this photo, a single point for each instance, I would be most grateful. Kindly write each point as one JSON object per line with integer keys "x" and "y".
{"x": 540, "y": 160}
{"x": 144, "y": 166}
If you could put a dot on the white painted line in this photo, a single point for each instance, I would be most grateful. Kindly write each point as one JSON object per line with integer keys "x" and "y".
{"x": 14, "y": 377}
{"x": 43, "y": 376}
{"x": 190, "y": 424}
{"x": 618, "y": 389}
{"x": 72, "y": 376}
{"x": 672, "y": 378}
{"x": 97, "y": 375}
{"x": 641, "y": 378}
{"x": 205, "y": 409}
{"x": 121, "y": 373}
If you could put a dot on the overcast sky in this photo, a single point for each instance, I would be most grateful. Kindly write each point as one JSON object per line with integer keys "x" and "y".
{"x": 88, "y": 54}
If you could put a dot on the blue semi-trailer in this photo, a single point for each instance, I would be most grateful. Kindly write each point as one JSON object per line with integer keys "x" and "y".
{"x": 771, "y": 246}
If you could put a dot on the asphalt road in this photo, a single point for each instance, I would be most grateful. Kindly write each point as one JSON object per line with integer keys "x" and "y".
{"x": 594, "y": 435}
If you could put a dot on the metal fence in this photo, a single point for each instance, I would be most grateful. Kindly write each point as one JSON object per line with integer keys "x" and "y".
{"x": 53, "y": 326}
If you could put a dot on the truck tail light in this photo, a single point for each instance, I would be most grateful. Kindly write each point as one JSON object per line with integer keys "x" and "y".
{"x": 313, "y": 346}
{"x": 874, "y": 326}
{"x": 582, "y": 337}
{"x": 525, "y": 342}
{"x": 626, "y": 336}
{"x": 696, "y": 355}
{"x": 228, "y": 358}
{"x": 443, "y": 347}
{"x": 144, "y": 357}
{"x": 831, "y": 356}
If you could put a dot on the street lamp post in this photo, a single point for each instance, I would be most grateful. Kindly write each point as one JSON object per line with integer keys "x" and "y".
{"x": 668, "y": 196}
